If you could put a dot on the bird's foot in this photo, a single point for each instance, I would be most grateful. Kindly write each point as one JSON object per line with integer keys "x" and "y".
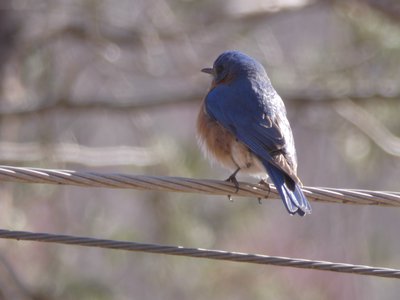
{"x": 265, "y": 184}
{"x": 233, "y": 179}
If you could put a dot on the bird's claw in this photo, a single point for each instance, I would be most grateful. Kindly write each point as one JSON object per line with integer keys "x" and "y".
{"x": 265, "y": 184}
{"x": 233, "y": 179}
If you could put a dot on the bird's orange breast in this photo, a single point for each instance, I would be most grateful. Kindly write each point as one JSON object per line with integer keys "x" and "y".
{"x": 215, "y": 139}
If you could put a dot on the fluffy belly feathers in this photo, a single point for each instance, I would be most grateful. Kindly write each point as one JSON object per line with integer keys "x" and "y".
{"x": 220, "y": 145}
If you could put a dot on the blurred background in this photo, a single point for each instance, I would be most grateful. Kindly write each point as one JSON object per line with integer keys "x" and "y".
{"x": 114, "y": 86}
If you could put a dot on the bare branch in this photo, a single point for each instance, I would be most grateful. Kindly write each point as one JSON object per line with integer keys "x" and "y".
{"x": 74, "y": 153}
{"x": 188, "y": 97}
{"x": 369, "y": 125}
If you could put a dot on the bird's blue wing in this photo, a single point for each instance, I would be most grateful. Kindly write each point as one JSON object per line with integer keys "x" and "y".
{"x": 244, "y": 115}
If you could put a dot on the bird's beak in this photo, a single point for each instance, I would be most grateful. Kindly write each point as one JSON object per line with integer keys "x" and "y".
{"x": 208, "y": 71}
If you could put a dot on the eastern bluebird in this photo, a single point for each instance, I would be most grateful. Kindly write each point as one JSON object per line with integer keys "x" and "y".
{"x": 242, "y": 124}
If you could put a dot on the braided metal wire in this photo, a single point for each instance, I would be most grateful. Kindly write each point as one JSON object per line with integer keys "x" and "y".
{"x": 188, "y": 185}
{"x": 201, "y": 253}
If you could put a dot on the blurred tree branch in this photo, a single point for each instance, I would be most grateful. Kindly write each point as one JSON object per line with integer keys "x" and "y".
{"x": 390, "y": 8}
{"x": 369, "y": 125}
{"x": 185, "y": 98}
{"x": 79, "y": 154}
{"x": 76, "y": 105}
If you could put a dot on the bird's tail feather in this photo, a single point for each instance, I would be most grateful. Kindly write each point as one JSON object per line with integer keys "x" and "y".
{"x": 290, "y": 191}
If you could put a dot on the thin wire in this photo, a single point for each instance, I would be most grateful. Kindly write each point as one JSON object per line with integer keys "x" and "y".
{"x": 201, "y": 253}
{"x": 188, "y": 185}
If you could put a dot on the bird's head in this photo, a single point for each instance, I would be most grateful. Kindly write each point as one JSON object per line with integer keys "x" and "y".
{"x": 232, "y": 65}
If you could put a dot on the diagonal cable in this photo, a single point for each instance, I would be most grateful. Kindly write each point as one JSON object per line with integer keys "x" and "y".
{"x": 189, "y": 185}
{"x": 201, "y": 253}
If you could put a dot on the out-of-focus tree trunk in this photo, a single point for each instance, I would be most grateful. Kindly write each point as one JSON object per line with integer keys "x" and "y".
{"x": 8, "y": 36}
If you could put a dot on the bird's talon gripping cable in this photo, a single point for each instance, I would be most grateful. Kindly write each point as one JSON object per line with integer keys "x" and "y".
{"x": 262, "y": 182}
{"x": 233, "y": 179}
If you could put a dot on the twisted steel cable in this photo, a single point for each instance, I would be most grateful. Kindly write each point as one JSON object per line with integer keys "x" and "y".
{"x": 201, "y": 253}
{"x": 188, "y": 185}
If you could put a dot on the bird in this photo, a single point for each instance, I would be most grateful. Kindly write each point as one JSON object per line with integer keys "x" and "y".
{"x": 242, "y": 124}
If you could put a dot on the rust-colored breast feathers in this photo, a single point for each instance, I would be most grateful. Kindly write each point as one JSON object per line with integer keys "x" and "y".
{"x": 215, "y": 140}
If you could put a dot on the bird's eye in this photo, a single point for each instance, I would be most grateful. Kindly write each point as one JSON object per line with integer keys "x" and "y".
{"x": 219, "y": 69}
